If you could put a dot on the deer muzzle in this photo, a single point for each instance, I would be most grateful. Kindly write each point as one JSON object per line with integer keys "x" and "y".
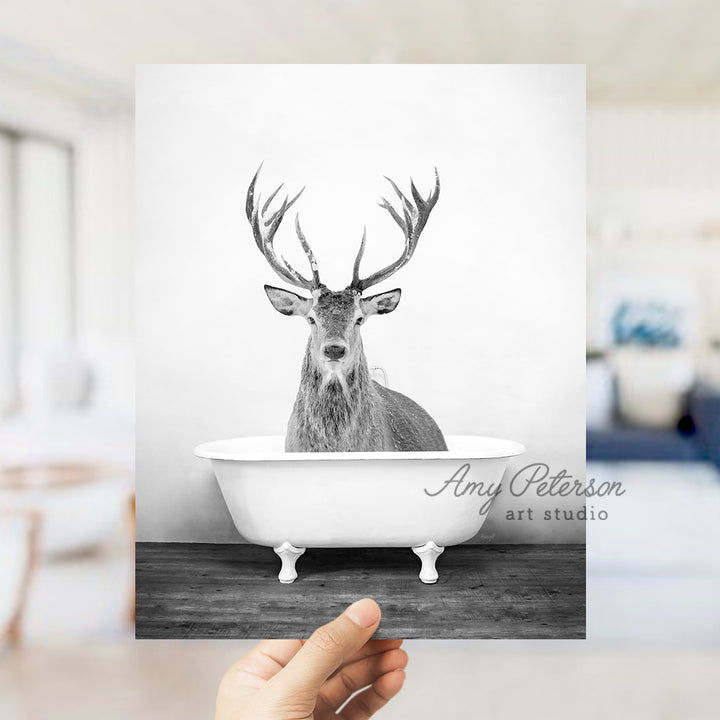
{"x": 334, "y": 351}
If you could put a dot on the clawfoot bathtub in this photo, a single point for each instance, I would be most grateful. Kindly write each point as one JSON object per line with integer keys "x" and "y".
{"x": 420, "y": 500}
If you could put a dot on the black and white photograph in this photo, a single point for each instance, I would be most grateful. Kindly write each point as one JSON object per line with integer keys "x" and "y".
{"x": 361, "y": 315}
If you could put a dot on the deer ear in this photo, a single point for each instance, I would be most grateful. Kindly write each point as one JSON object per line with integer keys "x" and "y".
{"x": 286, "y": 302}
{"x": 382, "y": 303}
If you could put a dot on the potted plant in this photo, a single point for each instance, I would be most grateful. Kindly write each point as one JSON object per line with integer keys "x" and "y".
{"x": 654, "y": 368}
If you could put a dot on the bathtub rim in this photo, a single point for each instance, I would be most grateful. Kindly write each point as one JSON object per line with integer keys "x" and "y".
{"x": 217, "y": 450}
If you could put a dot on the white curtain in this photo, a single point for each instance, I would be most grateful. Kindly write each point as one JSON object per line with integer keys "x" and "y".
{"x": 8, "y": 387}
{"x": 37, "y": 281}
{"x": 45, "y": 265}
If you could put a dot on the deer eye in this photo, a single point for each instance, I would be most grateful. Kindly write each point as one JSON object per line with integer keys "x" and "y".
{"x": 359, "y": 321}
{"x": 311, "y": 321}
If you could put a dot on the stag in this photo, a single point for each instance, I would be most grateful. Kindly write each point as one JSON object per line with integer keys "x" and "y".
{"x": 338, "y": 406}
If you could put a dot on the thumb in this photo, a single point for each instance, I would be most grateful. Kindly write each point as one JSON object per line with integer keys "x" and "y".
{"x": 328, "y": 648}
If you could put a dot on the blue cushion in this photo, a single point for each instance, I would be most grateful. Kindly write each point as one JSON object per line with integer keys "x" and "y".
{"x": 626, "y": 444}
{"x": 704, "y": 405}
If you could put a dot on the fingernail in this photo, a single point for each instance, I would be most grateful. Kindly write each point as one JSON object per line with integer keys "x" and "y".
{"x": 364, "y": 613}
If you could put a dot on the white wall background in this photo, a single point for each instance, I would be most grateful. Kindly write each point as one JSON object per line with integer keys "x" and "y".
{"x": 489, "y": 335}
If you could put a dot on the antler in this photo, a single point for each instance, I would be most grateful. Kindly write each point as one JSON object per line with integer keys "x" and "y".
{"x": 264, "y": 230}
{"x": 413, "y": 219}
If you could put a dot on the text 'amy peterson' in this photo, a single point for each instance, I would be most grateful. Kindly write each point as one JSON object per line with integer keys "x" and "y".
{"x": 534, "y": 477}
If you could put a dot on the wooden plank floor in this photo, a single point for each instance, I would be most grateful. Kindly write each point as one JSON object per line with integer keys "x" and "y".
{"x": 189, "y": 590}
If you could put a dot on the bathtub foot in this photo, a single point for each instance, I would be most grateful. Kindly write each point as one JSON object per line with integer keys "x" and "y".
{"x": 428, "y": 554}
{"x": 288, "y": 554}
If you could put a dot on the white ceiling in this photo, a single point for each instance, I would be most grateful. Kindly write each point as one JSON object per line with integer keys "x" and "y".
{"x": 635, "y": 50}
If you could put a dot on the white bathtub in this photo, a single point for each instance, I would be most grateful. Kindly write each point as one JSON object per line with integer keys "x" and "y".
{"x": 294, "y": 501}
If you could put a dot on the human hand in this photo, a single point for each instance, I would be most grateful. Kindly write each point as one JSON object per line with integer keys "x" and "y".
{"x": 312, "y": 679}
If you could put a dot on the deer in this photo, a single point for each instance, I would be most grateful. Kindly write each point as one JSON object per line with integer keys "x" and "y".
{"x": 338, "y": 407}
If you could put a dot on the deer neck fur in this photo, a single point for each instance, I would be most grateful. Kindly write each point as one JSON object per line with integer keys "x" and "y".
{"x": 343, "y": 414}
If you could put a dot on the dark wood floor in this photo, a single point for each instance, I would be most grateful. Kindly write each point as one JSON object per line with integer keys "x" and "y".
{"x": 188, "y": 590}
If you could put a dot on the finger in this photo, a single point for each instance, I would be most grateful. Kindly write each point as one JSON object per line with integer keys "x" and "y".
{"x": 371, "y": 647}
{"x": 390, "y": 642}
{"x": 328, "y": 648}
{"x": 374, "y": 647}
{"x": 358, "y": 675}
{"x": 281, "y": 651}
{"x": 365, "y": 704}
{"x": 243, "y": 679}
{"x": 263, "y": 662}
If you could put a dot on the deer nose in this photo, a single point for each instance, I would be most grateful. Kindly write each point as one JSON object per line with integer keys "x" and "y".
{"x": 334, "y": 351}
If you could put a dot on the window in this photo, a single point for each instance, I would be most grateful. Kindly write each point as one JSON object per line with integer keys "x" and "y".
{"x": 37, "y": 263}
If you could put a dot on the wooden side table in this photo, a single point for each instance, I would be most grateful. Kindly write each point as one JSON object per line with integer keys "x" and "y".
{"x": 24, "y": 525}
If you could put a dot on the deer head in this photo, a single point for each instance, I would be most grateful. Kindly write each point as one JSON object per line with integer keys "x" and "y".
{"x": 335, "y": 317}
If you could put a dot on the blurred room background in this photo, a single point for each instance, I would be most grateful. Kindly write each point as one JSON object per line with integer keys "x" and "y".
{"x": 66, "y": 356}
{"x": 66, "y": 345}
{"x": 653, "y": 368}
